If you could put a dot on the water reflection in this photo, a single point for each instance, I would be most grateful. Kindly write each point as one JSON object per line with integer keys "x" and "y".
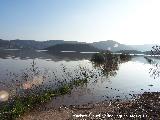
{"x": 108, "y": 68}
{"x": 155, "y": 70}
{"x": 116, "y": 78}
{"x": 109, "y": 63}
{"x": 32, "y": 54}
{"x": 34, "y": 80}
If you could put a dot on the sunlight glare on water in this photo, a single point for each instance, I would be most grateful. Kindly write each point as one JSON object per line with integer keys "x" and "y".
{"x": 37, "y": 80}
{"x": 4, "y": 96}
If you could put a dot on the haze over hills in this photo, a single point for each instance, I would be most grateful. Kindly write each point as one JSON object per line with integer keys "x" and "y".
{"x": 101, "y": 45}
{"x": 111, "y": 45}
{"x": 145, "y": 47}
{"x": 115, "y": 46}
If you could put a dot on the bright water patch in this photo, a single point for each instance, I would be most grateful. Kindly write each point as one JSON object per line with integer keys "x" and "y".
{"x": 129, "y": 78}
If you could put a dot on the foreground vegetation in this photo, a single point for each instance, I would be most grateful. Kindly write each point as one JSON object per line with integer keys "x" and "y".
{"x": 31, "y": 92}
{"x": 24, "y": 103}
{"x": 144, "y": 107}
{"x": 21, "y": 105}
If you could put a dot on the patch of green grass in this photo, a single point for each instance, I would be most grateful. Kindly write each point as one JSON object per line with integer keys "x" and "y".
{"x": 21, "y": 105}
{"x": 64, "y": 89}
{"x": 80, "y": 82}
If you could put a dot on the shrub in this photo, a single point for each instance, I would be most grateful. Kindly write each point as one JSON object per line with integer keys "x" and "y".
{"x": 98, "y": 57}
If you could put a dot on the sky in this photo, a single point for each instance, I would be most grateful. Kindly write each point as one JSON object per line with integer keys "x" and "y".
{"x": 125, "y": 21}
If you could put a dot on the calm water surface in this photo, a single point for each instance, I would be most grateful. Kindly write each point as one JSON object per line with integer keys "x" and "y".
{"x": 132, "y": 77}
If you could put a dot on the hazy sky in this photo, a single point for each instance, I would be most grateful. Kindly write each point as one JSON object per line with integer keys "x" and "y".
{"x": 125, "y": 21}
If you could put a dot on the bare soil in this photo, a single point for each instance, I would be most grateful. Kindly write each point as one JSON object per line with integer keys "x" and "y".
{"x": 145, "y": 107}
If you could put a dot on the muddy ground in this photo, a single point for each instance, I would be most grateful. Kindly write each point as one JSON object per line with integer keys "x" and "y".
{"x": 146, "y": 106}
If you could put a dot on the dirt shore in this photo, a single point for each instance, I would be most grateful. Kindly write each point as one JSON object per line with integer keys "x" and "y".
{"x": 146, "y": 106}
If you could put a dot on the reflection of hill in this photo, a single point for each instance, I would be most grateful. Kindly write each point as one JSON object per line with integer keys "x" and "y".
{"x": 57, "y": 56}
{"x": 21, "y": 54}
{"x": 72, "y": 56}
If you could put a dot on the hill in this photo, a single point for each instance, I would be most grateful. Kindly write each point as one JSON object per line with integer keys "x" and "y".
{"x": 111, "y": 45}
{"x": 4, "y": 43}
{"x": 129, "y": 52}
{"x": 72, "y": 47}
{"x": 102, "y": 45}
{"x": 30, "y": 44}
{"x": 145, "y": 47}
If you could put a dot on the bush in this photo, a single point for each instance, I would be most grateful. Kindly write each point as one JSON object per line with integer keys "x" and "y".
{"x": 125, "y": 57}
{"x": 98, "y": 57}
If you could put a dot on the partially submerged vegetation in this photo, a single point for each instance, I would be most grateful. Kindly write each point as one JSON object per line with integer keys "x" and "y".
{"x": 103, "y": 57}
{"x": 98, "y": 57}
{"x": 149, "y": 60}
{"x": 30, "y": 90}
{"x": 20, "y": 105}
{"x": 155, "y": 69}
{"x": 124, "y": 57}
{"x": 109, "y": 62}
{"x": 30, "y": 93}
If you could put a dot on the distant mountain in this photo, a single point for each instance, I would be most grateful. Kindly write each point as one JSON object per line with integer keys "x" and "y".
{"x": 72, "y": 47}
{"x": 111, "y": 45}
{"x": 102, "y": 45}
{"x": 20, "y": 44}
{"x": 129, "y": 52}
{"x": 145, "y": 47}
{"x": 30, "y": 44}
{"x": 4, "y": 43}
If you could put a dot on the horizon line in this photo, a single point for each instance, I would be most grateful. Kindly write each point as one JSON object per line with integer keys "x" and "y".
{"x": 75, "y": 41}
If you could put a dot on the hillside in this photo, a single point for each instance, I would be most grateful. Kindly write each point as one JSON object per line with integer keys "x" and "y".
{"x": 72, "y": 47}
{"x": 145, "y": 47}
{"x": 102, "y": 45}
{"x": 111, "y": 45}
{"x": 4, "y": 43}
{"x": 129, "y": 52}
{"x": 30, "y": 44}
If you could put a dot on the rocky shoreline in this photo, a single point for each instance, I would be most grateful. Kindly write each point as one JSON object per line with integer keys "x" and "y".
{"x": 146, "y": 106}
